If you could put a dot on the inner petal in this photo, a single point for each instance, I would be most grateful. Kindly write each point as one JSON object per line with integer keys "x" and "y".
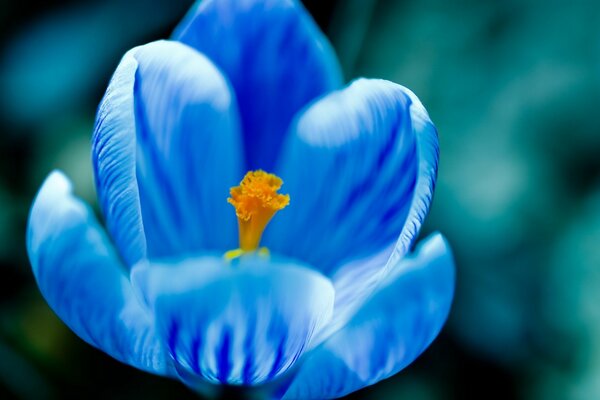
{"x": 188, "y": 155}
{"x": 166, "y": 149}
{"x": 350, "y": 164}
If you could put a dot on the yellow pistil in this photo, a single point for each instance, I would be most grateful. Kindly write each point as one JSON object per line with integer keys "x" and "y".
{"x": 256, "y": 201}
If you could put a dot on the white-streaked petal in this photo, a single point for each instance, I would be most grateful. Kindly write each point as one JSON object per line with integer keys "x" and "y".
{"x": 350, "y": 167}
{"x": 240, "y": 323}
{"x": 166, "y": 149}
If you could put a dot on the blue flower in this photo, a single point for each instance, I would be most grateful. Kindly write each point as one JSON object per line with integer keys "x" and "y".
{"x": 338, "y": 302}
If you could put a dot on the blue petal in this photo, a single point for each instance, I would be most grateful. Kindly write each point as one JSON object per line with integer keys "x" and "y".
{"x": 356, "y": 280}
{"x": 166, "y": 150}
{"x": 243, "y": 323}
{"x": 81, "y": 278}
{"x": 429, "y": 154}
{"x": 392, "y": 329}
{"x": 274, "y": 55}
{"x": 351, "y": 168}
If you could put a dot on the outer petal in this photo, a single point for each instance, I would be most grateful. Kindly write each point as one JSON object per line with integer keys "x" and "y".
{"x": 276, "y": 58}
{"x": 388, "y": 333}
{"x": 240, "y": 324}
{"x": 165, "y": 150}
{"x": 351, "y": 167}
{"x": 81, "y": 278}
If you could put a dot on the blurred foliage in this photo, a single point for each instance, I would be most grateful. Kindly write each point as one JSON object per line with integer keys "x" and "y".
{"x": 512, "y": 87}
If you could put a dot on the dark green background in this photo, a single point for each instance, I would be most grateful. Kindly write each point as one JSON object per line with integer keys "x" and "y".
{"x": 513, "y": 87}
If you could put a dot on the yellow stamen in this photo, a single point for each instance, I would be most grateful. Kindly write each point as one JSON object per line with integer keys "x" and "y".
{"x": 256, "y": 201}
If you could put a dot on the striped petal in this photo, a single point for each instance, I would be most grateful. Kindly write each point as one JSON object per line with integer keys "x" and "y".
{"x": 274, "y": 55}
{"x": 351, "y": 168}
{"x": 355, "y": 281}
{"x": 244, "y": 323}
{"x": 165, "y": 151}
{"x": 392, "y": 329}
{"x": 81, "y": 278}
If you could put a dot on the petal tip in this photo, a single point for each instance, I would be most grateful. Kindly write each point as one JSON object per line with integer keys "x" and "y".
{"x": 56, "y": 183}
{"x": 438, "y": 243}
{"x": 437, "y": 249}
{"x": 50, "y": 197}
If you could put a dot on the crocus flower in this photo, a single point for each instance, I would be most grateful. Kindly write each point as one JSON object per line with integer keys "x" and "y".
{"x": 327, "y": 298}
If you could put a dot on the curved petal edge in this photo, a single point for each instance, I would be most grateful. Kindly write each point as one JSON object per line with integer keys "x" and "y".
{"x": 429, "y": 153}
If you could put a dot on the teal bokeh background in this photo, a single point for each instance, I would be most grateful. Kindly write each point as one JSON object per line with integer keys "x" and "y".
{"x": 513, "y": 88}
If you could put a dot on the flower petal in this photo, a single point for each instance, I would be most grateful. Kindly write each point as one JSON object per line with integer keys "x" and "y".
{"x": 81, "y": 278}
{"x": 392, "y": 329}
{"x": 166, "y": 150}
{"x": 356, "y": 280}
{"x": 274, "y": 55}
{"x": 243, "y": 323}
{"x": 351, "y": 167}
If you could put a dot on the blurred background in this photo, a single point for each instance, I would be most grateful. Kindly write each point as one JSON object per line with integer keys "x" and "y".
{"x": 513, "y": 87}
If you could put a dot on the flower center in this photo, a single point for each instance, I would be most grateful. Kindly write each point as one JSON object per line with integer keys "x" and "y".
{"x": 256, "y": 201}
